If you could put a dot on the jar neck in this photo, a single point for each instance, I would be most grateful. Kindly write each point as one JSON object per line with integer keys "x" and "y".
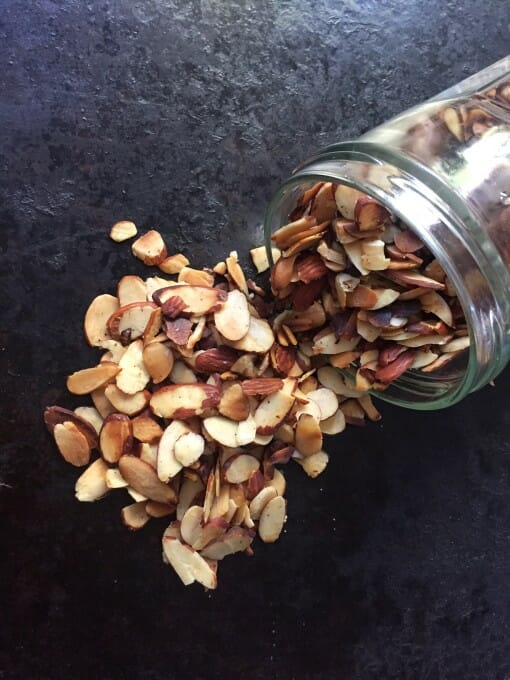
{"x": 454, "y": 236}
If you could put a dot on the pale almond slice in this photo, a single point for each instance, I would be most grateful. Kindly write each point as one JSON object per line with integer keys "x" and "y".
{"x": 258, "y": 339}
{"x": 136, "y": 495}
{"x": 184, "y": 401}
{"x": 354, "y": 253}
{"x": 101, "y": 403}
{"x": 346, "y": 198}
{"x": 71, "y": 443}
{"x": 260, "y": 259}
{"x": 149, "y": 454}
{"x": 456, "y": 345}
{"x": 173, "y": 263}
{"x": 314, "y": 465}
{"x": 334, "y": 424}
{"x": 221, "y": 429}
{"x": 278, "y": 482}
{"x": 423, "y": 358}
{"x": 328, "y": 344}
{"x": 53, "y": 415}
{"x": 413, "y": 278}
{"x": 143, "y": 478}
{"x": 168, "y": 466}
{"x": 155, "y": 284}
{"x": 157, "y": 510}
{"x": 421, "y": 340}
{"x": 263, "y": 440}
{"x": 433, "y": 303}
{"x": 285, "y": 433}
{"x": 308, "y": 435}
{"x": 246, "y": 431}
{"x": 91, "y": 485}
{"x": 188, "y": 564}
{"x": 89, "y": 379}
{"x": 260, "y": 501}
{"x": 135, "y": 515}
{"x": 122, "y": 231}
{"x": 284, "y": 234}
{"x": 150, "y": 248}
{"x": 173, "y": 530}
{"x": 96, "y": 317}
{"x": 272, "y": 410}
{"x": 182, "y": 374}
{"x": 373, "y": 256}
{"x": 197, "y": 300}
{"x": 236, "y": 539}
{"x": 115, "y": 438}
{"x": 131, "y": 289}
{"x": 366, "y": 330}
{"x": 90, "y": 415}
{"x": 235, "y": 272}
{"x": 367, "y": 405}
{"x": 272, "y": 519}
{"x": 240, "y": 467}
{"x": 130, "y": 321}
{"x": 115, "y": 351}
{"x": 233, "y": 319}
{"x": 211, "y": 530}
{"x": 220, "y": 505}
{"x": 133, "y": 376}
{"x": 190, "y": 492}
{"x": 188, "y": 448}
{"x": 159, "y": 361}
{"x": 146, "y": 428}
{"x": 326, "y": 400}
{"x": 440, "y": 362}
{"x": 114, "y": 480}
{"x": 353, "y": 412}
{"x": 311, "y": 409}
{"x": 385, "y": 296}
{"x": 153, "y": 327}
{"x": 130, "y": 404}
{"x": 191, "y": 524}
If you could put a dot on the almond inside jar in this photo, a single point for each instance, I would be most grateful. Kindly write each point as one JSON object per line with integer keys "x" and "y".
{"x": 363, "y": 293}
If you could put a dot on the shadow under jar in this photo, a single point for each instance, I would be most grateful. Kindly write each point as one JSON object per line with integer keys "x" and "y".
{"x": 443, "y": 169}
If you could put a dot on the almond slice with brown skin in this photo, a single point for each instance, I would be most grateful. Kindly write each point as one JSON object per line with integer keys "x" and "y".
{"x": 143, "y": 478}
{"x": 53, "y": 415}
{"x": 135, "y": 516}
{"x": 236, "y": 539}
{"x": 434, "y": 303}
{"x": 115, "y": 438}
{"x": 277, "y": 481}
{"x": 188, "y": 564}
{"x": 212, "y": 530}
{"x": 413, "y": 278}
{"x": 184, "y": 401}
{"x": 328, "y": 344}
{"x": 346, "y": 199}
{"x": 91, "y": 416}
{"x": 259, "y": 502}
{"x": 308, "y": 435}
{"x": 150, "y": 248}
{"x": 273, "y": 409}
{"x": 282, "y": 273}
{"x": 395, "y": 369}
{"x": 122, "y": 231}
{"x": 233, "y": 319}
{"x": 191, "y": 524}
{"x": 91, "y": 485}
{"x": 282, "y": 235}
{"x": 239, "y": 468}
{"x": 89, "y": 379}
{"x": 71, "y": 443}
{"x": 96, "y": 317}
{"x": 130, "y": 321}
{"x": 198, "y": 300}
{"x": 272, "y": 519}
{"x": 261, "y": 386}
{"x": 369, "y": 214}
{"x": 323, "y": 206}
{"x": 158, "y": 360}
{"x": 326, "y": 400}
{"x": 101, "y": 403}
{"x": 157, "y": 510}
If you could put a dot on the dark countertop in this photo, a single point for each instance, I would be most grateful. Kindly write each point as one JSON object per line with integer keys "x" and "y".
{"x": 186, "y": 116}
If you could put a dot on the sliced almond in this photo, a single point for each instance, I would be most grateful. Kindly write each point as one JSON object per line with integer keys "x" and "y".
{"x": 89, "y": 379}
{"x": 101, "y": 403}
{"x": 457, "y": 345}
{"x": 173, "y": 264}
{"x": 150, "y": 248}
{"x": 189, "y": 494}
{"x": 433, "y": 303}
{"x": 131, "y": 289}
{"x": 146, "y": 428}
{"x": 258, "y": 339}
{"x": 278, "y": 482}
{"x": 135, "y": 516}
{"x": 167, "y": 465}
{"x": 133, "y": 376}
{"x": 240, "y": 467}
{"x": 272, "y": 519}
{"x": 130, "y": 404}
{"x": 182, "y": 374}
{"x": 334, "y": 424}
{"x": 234, "y": 403}
{"x": 91, "y": 416}
{"x": 233, "y": 319}
{"x": 188, "y": 448}
{"x": 143, "y": 478}
{"x": 197, "y": 300}
{"x": 234, "y": 540}
{"x": 221, "y": 429}
{"x": 272, "y": 410}
{"x": 96, "y": 317}
{"x": 184, "y": 401}
{"x": 155, "y": 509}
{"x": 130, "y": 321}
{"x": 314, "y": 465}
{"x": 196, "y": 277}
{"x": 259, "y": 502}
{"x": 260, "y": 259}
{"x": 369, "y": 214}
{"x": 71, "y": 443}
{"x": 308, "y": 435}
{"x": 191, "y": 524}
{"x": 122, "y": 231}
{"x": 114, "y": 480}
{"x": 53, "y": 415}
{"x": 326, "y": 400}
{"x": 346, "y": 199}
{"x": 188, "y": 564}
{"x": 91, "y": 485}
{"x": 115, "y": 438}
{"x": 246, "y": 431}
{"x": 328, "y": 344}
{"x": 211, "y": 530}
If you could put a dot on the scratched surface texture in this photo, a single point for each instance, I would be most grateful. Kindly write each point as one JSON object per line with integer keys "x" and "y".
{"x": 186, "y": 116}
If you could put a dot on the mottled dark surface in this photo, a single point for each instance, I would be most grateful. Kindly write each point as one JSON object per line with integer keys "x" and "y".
{"x": 186, "y": 116}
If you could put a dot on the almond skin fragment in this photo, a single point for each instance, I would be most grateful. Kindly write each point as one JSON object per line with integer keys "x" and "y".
{"x": 184, "y": 401}
{"x": 143, "y": 478}
{"x": 150, "y": 248}
{"x": 72, "y": 444}
{"x": 89, "y": 379}
{"x": 272, "y": 519}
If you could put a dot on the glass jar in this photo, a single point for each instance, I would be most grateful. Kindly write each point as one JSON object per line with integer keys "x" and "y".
{"x": 443, "y": 167}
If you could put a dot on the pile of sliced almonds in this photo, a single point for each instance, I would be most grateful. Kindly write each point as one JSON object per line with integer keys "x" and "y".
{"x": 202, "y": 391}
{"x": 356, "y": 287}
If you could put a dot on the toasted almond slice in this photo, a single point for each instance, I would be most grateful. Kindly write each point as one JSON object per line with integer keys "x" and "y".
{"x": 328, "y": 344}
{"x": 114, "y": 480}
{"x": 423, "y": 358}
{"x": 385, "y": 296}
{"x": 196, "y": 277}
{"x": 54, "y": 415}
{"x": 353, "y": 412}
{"x": 282, "y": 273}
{"x": 182, "y": 374}
{"x": 236, "y": 273}
{"x": 259, "y": 502}
{"x": 101, "y": 403}
{"x": 272, "y": 411}
{"x": 456, "y": 345}
{"x": 153, "y": 327}
{"x": 308, "y": 435}
{"x": 332, "y": 379}
{"x": 167, "y": 465}
{"x": 173, "y": 264}
{"x": 334, "y": 424}
{"x": 326, "y": 400}
{"x": 246, "y": 431}
{"x": 234, "y": 540}
{"x": 278, "y": 482}
{"x": 345, "y": 359}
{"x": 212, "y": 530}
{"x": 314, "y": 465}
{"x": 311, "y": 409}
{"x": 149, "y": 453}
{"x": 96, "y": 317}
{"x": 234, "y": 404}
{"x": 240, "y": 467}
{"x": 191, "y": 524}
{"x": 369, "y": 214}
{"x": 91, "y": 416}
{"x": 272, "y": 519}
{"x": 173, "y": 530}
{"x": 258, "y": 339}
{"x": 354, "y": 254}
{"x": 421, "y": 340}
{"x": 260, "y": 259}
{"x": 71, "y": 443}
{"x": 197, "y": 300}
{"x": 184, "y": 401}
{"x": 91, "y": 485}
{"x": 362, "y": 297}
{"x": 122, "y": 231}
{"x": 135, "y": 495}
{"x": 143, "y": 478}
{"x": 155, "y": 509}
{"x": 133, "y": 376}
{"x": 131, "y": 289}
{"x": 433, "y": 303}
{"x": 219, "y": 507}
{"x": 367, "y": 405}
{"x": 413, "y": 278}
{"x": 188, "y": 564}
{"x": 115, "y": 351}
{"x": 130, "y": 404}
{"x": 150, "y": 248}
{"x": 233, "y": 319}
{"x": 188, "y": 448}
{"x": 282, "y": 235}
{"x": 304, "y": 243}
{"x": 130, "y": 321}
{"x": 88, "y": 379}
{"x": 115, "y": 438}
{"x": 221, "y": 429}
{"x": 440, "y": 362}
{"x": 372, "y": 255}
{"x": 146, "y": 428}
{"x": 189, "y": 494}
{"x": 135, "y": 515}
{"x": 346, "y": 198}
